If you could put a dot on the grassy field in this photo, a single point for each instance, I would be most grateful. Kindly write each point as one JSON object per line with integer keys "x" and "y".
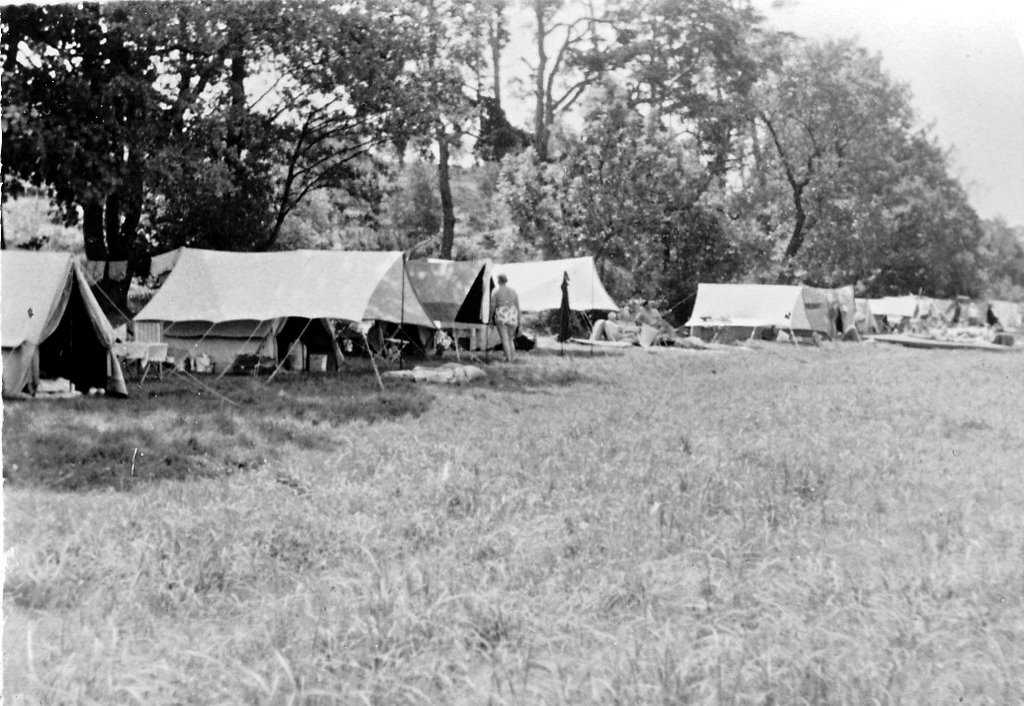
{"x": 840, "y": 525}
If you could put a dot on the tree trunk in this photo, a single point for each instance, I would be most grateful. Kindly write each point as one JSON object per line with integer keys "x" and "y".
{"x": 236, "y": 92}
{"x": 445, "y": 189}
{"x": 796, "y": 240}
{"x": 92, "y": 231}
{"x": 540, "y": 125}
{"x": 494, "y": 39}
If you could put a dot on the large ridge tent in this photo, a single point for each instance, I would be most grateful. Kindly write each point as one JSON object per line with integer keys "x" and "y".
{"x": 227, "y": 303}
{"x": 52, "y": 326}
{"x": 539, "y": 284}
{"x": 750, "y": 307}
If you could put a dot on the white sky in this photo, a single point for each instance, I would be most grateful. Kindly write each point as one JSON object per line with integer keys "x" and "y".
{"x": 963, "y": 62}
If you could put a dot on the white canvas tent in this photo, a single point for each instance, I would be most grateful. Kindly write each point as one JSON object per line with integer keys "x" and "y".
{"x": 539, "y": 284}
{"x": 227, "y": 303}
{"x": 905, "y": 307}
{"x": 52, "y": 326}
{"x": 759, "y": 306}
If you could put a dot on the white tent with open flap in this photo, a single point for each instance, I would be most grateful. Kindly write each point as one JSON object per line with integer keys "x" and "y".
{"x": 745, "y": 309}
{"x": 1010, "y": 315}
{"x": 452, "y": 291}
{"x": 456, "y": 295}
{"x": 539, "y": 284}
{"x": 52, "y": 326}
{"x": 225, "y": 304}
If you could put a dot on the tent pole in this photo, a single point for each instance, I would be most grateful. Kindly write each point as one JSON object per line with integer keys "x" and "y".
{"x": 401, "y": 326}
{"x": 373, "y": 362}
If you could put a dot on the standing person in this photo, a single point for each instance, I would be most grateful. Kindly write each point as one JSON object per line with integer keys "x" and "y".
{"x": 505, "y": 315}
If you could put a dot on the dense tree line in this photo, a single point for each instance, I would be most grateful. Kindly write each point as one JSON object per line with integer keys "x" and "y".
{"x": 677, "y": 141}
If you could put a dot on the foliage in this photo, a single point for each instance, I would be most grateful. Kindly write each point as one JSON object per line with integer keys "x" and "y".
{"x": 709, "y": 147}
{"x": 692, "y": 64}
{"x": 843, "y": 189}
{"x": 628, "y": 194}
{"x": 1002, "y": 250}
{"x": 212, "y": 115}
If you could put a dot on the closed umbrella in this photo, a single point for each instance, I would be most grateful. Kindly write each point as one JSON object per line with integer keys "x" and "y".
{"x": 563, "y": 311}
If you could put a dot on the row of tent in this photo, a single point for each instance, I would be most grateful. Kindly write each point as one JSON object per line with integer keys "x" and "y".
{"x": 227, "y": 304}
{"x": 747, "y": 308}
{"x": 895, "y": 312}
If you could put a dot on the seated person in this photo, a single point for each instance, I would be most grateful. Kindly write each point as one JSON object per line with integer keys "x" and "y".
{"x": 615, "y": 328}
{"x": 664, "y": 334}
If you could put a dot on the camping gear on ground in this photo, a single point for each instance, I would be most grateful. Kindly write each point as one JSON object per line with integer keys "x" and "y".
{"x": 447, "y": 374}
{"x": 912, "y": 341}
{"x": 52, "y": 326}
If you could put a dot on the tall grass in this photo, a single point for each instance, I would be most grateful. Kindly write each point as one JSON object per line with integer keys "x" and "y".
{"x": 787, "y": 525}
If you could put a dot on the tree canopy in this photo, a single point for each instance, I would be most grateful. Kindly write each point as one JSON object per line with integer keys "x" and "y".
{"x": 674, "y": 140}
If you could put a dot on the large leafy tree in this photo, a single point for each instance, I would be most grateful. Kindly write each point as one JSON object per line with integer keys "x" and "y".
{"x": 846, "y": 187}
{"x": 827, "y": 111}
{"x": 79, "y": 109}
{"x": 690, "y": 67}
{"x": 197, "y": 122}
{"x": 1003, "y": 253}
{"x": 623, "y": 193}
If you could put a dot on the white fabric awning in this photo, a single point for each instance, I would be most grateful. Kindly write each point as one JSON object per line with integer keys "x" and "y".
{"x": 215, "y": 286}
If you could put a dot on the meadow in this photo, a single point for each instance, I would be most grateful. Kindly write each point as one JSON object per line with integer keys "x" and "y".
{"x": 785, "y": 525}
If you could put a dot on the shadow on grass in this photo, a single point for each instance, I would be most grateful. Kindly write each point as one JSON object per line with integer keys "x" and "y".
{"x": 180, "y": 428}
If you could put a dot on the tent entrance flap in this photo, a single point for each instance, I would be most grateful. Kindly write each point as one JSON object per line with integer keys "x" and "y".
{"x": 53, "y": 326}
{"x": 317, "y": 338}
{"x": 73, "y": 351}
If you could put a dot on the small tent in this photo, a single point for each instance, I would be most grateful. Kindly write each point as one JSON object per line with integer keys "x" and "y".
{"x": 539, "y": 284}
{"x": 841, "y": 308}
{"x": 750, "y": 307}
{"x": 942, "y": 311}
{"x": 228, "y": 303}
{"x": 1009, "y": 314}
{"x": 895, "y": 312}
{"x": 52, "y": 325}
